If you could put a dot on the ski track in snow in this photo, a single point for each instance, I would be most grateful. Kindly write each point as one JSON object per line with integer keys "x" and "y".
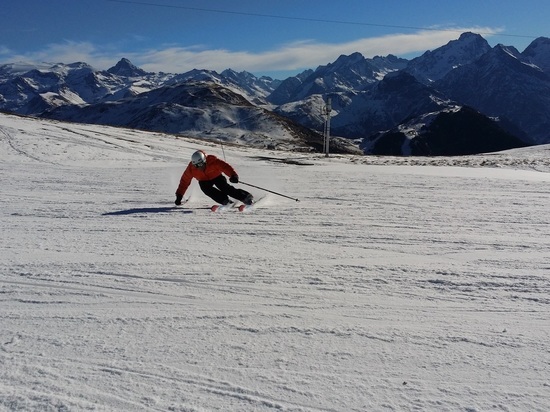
{"x": 394, "y": 284}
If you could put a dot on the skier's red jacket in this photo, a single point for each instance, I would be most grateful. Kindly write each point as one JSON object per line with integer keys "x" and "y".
{"x": 214, "y": 168}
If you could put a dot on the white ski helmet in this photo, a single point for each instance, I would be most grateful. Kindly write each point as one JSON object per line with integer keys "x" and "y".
{"x": 198, "y": 159}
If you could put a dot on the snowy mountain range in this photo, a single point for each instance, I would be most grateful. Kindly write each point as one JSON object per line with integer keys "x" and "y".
{"x": 371, "y": 99}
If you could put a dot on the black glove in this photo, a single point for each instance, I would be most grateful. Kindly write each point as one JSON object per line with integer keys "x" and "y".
{"x": 178, "y": 199}
{"x": 234, "y": 178}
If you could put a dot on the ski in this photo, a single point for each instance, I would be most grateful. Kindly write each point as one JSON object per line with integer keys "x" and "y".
{"x": 225, "y": 208}
{"x": 244, "y": 208}
{"x": 241, "y": 207}
{"x": 221, "y": 208}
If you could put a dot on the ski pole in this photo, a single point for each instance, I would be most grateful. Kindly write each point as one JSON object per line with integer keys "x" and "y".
{"x": 270, "y": 191}
{"x": 223, "y": 151}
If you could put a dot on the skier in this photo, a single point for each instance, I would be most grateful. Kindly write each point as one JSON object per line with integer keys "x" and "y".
{"x": 209, "y": 170}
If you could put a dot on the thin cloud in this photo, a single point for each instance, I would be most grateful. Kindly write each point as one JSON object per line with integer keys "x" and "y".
{"x": 298, "y": 55}
{"x": 66, "y": 52}
{"x": 293, "y": 56}
{"x": 5, "y": 50}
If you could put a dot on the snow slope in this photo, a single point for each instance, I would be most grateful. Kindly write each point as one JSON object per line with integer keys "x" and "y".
{"x": 394, "y": 284}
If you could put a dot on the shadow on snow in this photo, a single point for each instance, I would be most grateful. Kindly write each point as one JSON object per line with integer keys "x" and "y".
{"x": 143, "y": 210}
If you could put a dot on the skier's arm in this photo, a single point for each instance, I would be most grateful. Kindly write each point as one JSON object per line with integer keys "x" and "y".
{"x": 185, "y": 181}
{"x": 227, "y": 169}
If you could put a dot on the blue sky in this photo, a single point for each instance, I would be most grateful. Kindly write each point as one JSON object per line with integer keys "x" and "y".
{"x": 277, "y": 37}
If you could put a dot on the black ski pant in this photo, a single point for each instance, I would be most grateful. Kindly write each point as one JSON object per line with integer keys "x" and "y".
{"x": 219, "y": 190}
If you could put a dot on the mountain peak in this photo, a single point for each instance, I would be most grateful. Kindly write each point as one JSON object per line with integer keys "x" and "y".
{"x": 502, "y": 52}
{"x": 539, "y": 42}
{"x": 538, "y": 53}
{"x": 125, "y": 68}
{"x": 469, "y": 36}
{"x": 345, "y": 60}
{"x": 434, "y": 65}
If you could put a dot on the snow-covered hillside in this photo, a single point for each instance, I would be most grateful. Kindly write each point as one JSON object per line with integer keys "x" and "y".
{"x": 416, "y": 285}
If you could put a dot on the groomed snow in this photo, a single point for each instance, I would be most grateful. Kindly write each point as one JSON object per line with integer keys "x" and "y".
{"x": 393, "y": 285}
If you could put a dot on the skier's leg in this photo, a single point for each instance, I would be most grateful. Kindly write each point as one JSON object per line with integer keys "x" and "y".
{"x": 207, "y": 186}
{"x": 227, "y": 189}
